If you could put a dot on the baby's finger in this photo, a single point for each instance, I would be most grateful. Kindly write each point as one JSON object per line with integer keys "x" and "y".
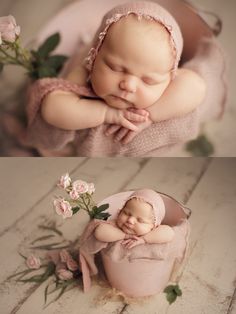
{"x": 131, "y": 116}
{"x": 142, "y": 112}
{"x": 128, "y": 137}
{"x": 121, "y": 134}
{"x": 129, "y": 125}
{"x": 124, "y": 242}
{"x": 111, "y": 129}
{"x": 131, "y": 244}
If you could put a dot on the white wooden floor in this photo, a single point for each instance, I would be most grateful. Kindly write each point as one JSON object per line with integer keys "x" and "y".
{"x": 207, "y": 186}
{"x": 32, "y": 15}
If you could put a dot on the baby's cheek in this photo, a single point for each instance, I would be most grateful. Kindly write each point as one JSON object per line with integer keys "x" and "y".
{"x": 143, "y": 99}
{"x": 121, "y": 219}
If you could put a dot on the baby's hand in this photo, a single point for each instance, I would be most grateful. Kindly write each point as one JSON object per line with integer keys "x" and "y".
{"x": 124, "y": 117}
{"x": 132, "y": 241}
{"x": 125, "y": 135}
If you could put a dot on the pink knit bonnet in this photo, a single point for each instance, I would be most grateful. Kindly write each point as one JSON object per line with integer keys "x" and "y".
{"x": 154, "y": 199}
{"x": 143, "y": 9}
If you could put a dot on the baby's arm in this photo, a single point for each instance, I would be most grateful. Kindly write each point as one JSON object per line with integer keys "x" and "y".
{"x": 161, "y": 234}
{"x": 108, "y": 233}
{"x": 182, "y": 96}
{"x": 65, "y": 110}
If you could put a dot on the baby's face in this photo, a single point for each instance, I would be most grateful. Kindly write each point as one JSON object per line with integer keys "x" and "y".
{"x": 136, "y": 217}
{"x": 133, "y": 66}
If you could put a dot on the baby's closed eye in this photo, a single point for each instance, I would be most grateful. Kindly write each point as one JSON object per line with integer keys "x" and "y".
{"x": 114, "y": 67}
{"x": 149, "y": 81}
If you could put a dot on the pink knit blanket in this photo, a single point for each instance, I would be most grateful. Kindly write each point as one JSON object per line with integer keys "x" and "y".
{"x": 156, "y": 140}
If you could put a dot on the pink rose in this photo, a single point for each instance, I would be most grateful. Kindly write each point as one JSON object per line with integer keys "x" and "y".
{"x": 64, "y": 274}
{"x": 64, "y": 255}
{"x": 63, "y": 208}
{"x": 33, "y": 262}
{"x": 72, "y": 264}
{"x": 8, "y": 29}
{"x": 74, "y": 194}
{"x": 80, "y": 186}
{"x": 68, "y": 259}
{"x": 64, "y": 181}
{"x": 91, "y": 188}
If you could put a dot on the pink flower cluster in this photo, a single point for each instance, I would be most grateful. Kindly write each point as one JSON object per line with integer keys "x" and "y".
{"x": 75, "y": 190}
{"x": 65, "y": 264}
{"x": 9, "y": 31}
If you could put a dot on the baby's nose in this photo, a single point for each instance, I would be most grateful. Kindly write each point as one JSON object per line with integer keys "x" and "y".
{"x": 131, "y": 220}
{"x": 128, "y": 84}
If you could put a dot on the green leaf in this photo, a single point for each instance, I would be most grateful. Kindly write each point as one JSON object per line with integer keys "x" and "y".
{"x": 94, "y": 209}
{"x": 51, "y": 228}
{"x": 1, "y": 67}
{"x": 172, "y": 291}
{"x": 24, "y": 257}
{"x": 171, "y": 297}
{"x": 102, "y": 208}
{"x": 56, "y": 62}
{"x": 43, "y": 238}
{"x": 46, "y": 294}
{"x": 56, "y": 281}
{"x": 36, "y": 278}
{"x": 35, "y": 54}
{"x": 61, "y": 293}
{"x": 33, "y": 74}
{"x": 102, "y": 216}
{"x": 63, "y": 287}
{"x": 23, "y": 272}
{"x": 169, "y": 288}
{"x": 97, "y": 212}
{"x": 50, "y": 270}
{"x": 45, "y": 71}
{"x": 178, "y": 290}
{"x": 49, "y": 45}
{"x": 75, "y": 209}
{"x": 200, "y": 147}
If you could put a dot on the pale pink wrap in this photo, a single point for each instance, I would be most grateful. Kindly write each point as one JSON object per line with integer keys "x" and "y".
{"x": 145, "y": 269}
{"x": 201, "y": 53}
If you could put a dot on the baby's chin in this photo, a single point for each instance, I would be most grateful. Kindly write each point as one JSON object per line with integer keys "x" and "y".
{"x": 117, "y": 103}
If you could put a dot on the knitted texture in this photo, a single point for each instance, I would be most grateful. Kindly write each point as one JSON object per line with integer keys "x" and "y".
{"x": 142, "y": 9}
